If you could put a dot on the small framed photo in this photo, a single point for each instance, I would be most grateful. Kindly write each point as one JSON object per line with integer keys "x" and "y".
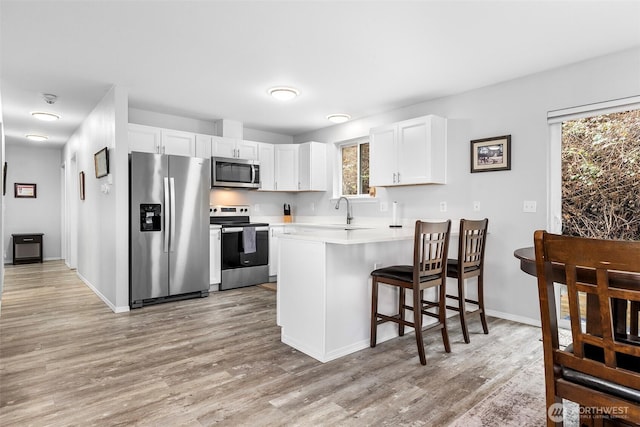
{"x": 491, "y": 154}
{"x": 101, "y": 160}
{"x": 81, "y": 186}
{"x": 24, "y": 190}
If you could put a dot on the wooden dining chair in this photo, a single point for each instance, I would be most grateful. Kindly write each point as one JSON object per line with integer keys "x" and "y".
{"x": 429, "y": 270}
{"x": 599, "y": 370}
{"x": 470, "y": 263}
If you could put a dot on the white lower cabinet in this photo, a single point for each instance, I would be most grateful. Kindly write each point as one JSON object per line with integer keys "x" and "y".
{"x": 274, "y": 232}
{"x": 215, "y": 256}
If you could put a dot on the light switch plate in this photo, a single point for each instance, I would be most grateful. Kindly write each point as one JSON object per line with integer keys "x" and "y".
{"x": 529, "y": 206}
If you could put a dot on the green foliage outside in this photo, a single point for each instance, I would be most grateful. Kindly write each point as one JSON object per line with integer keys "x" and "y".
{"x": 601, "y": 176}
{"x": 352, "y": 170}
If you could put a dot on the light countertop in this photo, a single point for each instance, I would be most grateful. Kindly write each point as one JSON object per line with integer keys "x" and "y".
{"x": 354, "y": 236}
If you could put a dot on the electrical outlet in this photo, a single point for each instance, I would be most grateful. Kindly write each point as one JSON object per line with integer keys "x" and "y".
{"x": 529, "y": 206}
{"x": 443, "y": 206}
{"x": 476, "y": 206}
{"x": 256, "y": 207}
{"x": 384, "y": 207}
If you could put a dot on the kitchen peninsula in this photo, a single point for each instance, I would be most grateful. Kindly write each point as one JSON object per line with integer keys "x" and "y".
{"x": 324, "y": 291}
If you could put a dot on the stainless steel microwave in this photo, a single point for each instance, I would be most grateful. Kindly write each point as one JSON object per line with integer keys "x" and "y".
{"x": 241, "y": 173}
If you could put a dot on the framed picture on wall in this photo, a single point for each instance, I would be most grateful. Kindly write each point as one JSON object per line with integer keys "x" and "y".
{"x": 491, "y": 154}
{"x": 101, "y": 160}
{"x": 24, "y": 190}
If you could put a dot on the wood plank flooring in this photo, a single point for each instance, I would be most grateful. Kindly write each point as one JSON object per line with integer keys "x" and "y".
{"x": 66, "y": 359}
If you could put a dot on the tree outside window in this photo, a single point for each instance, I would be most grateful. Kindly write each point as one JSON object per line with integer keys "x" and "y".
{"x": 601, "y": 176}
{"x": 355, "y": 168}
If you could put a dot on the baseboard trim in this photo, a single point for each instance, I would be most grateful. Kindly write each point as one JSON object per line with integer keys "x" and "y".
{"x": 513, "y": 317}
{"x": 104, "y": 299}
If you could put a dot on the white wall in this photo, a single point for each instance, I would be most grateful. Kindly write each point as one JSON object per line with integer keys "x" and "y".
{"x": 518, "y": 107}
{"x": 102, "y": 218}
{"x": 41, "y": 166}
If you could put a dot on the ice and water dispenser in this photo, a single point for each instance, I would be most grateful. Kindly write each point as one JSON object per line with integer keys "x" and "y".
{"x": 150, "y": 217}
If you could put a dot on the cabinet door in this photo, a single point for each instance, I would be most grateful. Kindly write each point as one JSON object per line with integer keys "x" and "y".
{"x": 175, "y": 142}
{"x": 304, "y": 167}
{"x": 312, "y": 166}
{"x": 144, "y": 138}
{"x": 203, "y": 146}
{"x": 267, "y": 166}
{"x": 215, "y": 272}
{"x": 222, "y": 146}
{"x": 286, "y": 167}
{"x": 247, "y": 150}
{"x": 274, "y": 232}
{"x": 414, "y": 151}
{"x": 382, "y": 156}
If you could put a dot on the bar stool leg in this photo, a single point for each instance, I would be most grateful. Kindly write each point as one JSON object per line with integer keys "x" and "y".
{"x": 442, "y": 314}
{"x": 417, "y": 322}
{"x": 483, "y": 318}
{"x": 401, "y": 304}
{"x": 462, "y": 309}
{"x": 374, "y": 310}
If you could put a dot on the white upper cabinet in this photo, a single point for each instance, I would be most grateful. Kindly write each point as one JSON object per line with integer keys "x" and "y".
{"x": 175, "y": 142}
{"x": 144, "y": 138}
{"x": 286, "y": 167}
{"x": 223, "y": 146}
{"x": 149, "y": 139}
{"x": 266, "y": 156}
{"x": 409, "y": 152}
{"x": 203, "y": 146}
{"x": 312, "y": 167}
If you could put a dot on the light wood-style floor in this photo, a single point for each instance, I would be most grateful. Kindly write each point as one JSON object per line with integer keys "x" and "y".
{"x": 66, "y": 359}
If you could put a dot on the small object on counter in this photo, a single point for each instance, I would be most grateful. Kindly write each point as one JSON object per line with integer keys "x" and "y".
{"x": 287, "y": 213}
{"x": 394, "y": 215}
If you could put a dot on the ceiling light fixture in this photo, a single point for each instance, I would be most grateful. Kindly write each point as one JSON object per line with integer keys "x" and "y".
{"x": 338, "y": 118}
{"x": 35, "y": 137}
{"x": 283, "y": 93}
{"x": 44, "y": 116}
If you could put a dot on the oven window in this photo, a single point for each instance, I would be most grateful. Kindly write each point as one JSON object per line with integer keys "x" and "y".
{"x": 233, "y": 255}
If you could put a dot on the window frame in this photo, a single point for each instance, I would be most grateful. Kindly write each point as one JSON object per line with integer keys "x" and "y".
{"x": 337, "y": 188}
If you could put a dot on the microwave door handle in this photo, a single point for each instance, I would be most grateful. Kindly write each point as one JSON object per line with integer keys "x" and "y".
{"x": 165, "y": 216}
{"x": 172, "y": 190}
{"x": 253, "y": 174}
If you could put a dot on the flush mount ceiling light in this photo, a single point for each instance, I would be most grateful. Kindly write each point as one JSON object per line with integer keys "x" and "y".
{"x": 283, "y": 93}
{"x": 338, "y": 118}
{"x": 35, "y": 137}
{"x": 44, "y": 116}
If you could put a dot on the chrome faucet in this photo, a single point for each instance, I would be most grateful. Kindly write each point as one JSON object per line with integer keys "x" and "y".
{"x": 349, "y": 217}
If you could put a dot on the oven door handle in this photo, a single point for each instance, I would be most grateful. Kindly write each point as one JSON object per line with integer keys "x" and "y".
{"x": 232, "y": 230}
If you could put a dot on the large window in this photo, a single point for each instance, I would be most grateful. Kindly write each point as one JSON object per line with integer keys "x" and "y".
{"x": 354, "y": 161}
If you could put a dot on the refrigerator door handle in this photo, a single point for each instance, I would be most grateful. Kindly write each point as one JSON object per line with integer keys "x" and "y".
{"x": 167, "y": 202}
{"x": 172, "y": 190}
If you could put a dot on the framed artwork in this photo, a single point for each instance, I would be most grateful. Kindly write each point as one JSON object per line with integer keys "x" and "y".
{"x": 24, "y": 190}
{"x": 81, "y": 186}
{"x": 491, "y": 154}
{"x": 101, "y": 160}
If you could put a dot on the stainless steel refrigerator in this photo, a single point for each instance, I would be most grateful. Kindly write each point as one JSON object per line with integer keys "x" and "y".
{"x": 169, "y": 227}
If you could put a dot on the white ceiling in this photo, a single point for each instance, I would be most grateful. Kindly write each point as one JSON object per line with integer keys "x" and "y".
{"x": 216, "y": 59}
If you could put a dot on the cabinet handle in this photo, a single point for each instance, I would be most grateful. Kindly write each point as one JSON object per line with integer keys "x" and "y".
{"x": 398, "y": 177}
{"x": 298, "y": 185}
{"x": 275, "y": 185}
{"x": 394, "y": 177}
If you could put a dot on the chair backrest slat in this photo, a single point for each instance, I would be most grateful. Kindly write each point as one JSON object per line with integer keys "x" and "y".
{"x": 608, "y": 272}
{"x": 430, "y": 248}
{"x": 472, "y": 242}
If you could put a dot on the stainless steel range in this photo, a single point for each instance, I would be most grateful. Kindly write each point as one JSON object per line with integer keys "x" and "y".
{"x": 245, "y": 247}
